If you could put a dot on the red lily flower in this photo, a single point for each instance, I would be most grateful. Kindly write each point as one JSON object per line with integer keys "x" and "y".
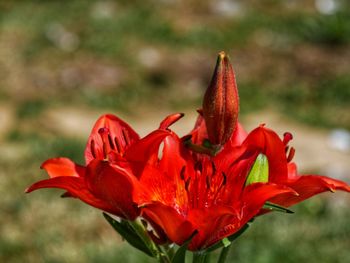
{"x": 188, "y": 185}
{"x": 107, "y": 181}
{"x": 181, "y": 195}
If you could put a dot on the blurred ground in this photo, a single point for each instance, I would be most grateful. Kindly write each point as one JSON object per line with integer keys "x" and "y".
{"x": 62, "y": 64}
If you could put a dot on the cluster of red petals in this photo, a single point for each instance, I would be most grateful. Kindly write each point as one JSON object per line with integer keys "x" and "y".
{"x": 180, "y": 192}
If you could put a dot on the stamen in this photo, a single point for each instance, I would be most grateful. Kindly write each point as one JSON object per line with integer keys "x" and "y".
{"x": 224, "y": 180}
{"x": 182, "y": 173}
{"x": 287, "y": 137}
{"x": 92, "y": 149}
{"x": 291, "y": 154}
{"x": 110, "y": 141}
{"x": 126, "y": 137}
{"x": 117, "y": 144}
{"x": 187, "y": 183}
{"x": 213, "y": 167}
{"x": 286, "y": 149}
{"x": 198, "y": 166}
{"x": 104, "y": 132}
{"x": 207, "y": 182}
{"x": 223, "y": 183}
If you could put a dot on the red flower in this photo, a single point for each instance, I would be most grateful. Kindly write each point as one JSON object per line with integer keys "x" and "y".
{"x": 188, "y": 185}
{"x": 107, "y": 181}
{"x": 181, "y": 193}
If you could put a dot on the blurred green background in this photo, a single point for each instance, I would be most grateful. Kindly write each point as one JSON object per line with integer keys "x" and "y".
{"x": 63, "y": 63}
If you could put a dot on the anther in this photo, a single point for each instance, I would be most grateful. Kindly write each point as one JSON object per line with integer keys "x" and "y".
{"x": 117, "y": 144}
{"x": 207, "y": 181}
{"x": 213, "y": 167}
{"x": 110, "y": 142}
{"x": 182, "y": 173}
{"x": 224, "y": 180}
{"x": 126, "y": 137}
{"x": 198, "y": 166}
{"x": 287, "y": 137}
{"x": 187, "y": 183}
{"x": 92, "y": 149}
{"x": 290, "y": 154}
{"x": 104, "y": 132}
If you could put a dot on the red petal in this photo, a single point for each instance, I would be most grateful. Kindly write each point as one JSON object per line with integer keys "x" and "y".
{"x": 121, "y": 137}
{"x": 229, "y": 220}
{"x": 238, "y": 136}
{"x": 213, "y": 224}
{"x": 169, "y": 120}
{"x": 62, "y": 167}
{"x": 267, "y": 142}
{"x": 256, "y": 195}
{"x": 199, "y": 132}
{"x": 114, "y": 185}
{"x": 307, "y": 186}
{"x": 77, "y": 188}
{"x": 145, "y": 150}
{"x": 162, "y": 181}
{"x": 176, "y": 227}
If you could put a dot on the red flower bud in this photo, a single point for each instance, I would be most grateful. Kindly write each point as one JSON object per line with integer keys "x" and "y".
{"x": 221, "y": 102}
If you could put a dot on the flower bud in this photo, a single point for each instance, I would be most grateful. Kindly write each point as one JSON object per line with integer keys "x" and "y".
{"x": 221, "y": 102}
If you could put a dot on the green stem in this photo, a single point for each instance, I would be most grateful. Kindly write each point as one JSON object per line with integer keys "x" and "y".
{"x": 156, "y": 250}
{"x": 199, "y": 257}
{"x": 223, "y": 254}
{"x": 169, "y": 249}
{"x": 163, "y": 255}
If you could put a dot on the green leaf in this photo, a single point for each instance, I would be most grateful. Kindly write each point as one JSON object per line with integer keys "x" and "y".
{"x": 259, "y": 172}
{"x": 278, "y": 208}
{"x": 125, "y": 229}
{"x": 228, "y": 240}
{"x": 180, "y": 254}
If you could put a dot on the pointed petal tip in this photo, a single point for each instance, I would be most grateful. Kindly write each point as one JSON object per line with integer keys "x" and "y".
{"x": 200, "y": 111}
{"x": 222, "y": 54}
{"x": 29, "y": 189}
{"x": 170, "y": 120}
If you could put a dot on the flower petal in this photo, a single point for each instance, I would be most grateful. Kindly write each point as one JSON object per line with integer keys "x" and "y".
{"x": 114, "y": 185}
{"x": 199, "y": 132}
{"x": 238, "y": 136}
{"x": 120, "y": 137}
{"x": 213, "y": 224}
{"x": 307, "y": 186}
{"x": 175, "y": 226}
{"x": 267, "y": 142}
{"x": 77, "y": 188}
{"x": 169, "y": 120}
{"x": 225, "y": 221}
{"x": 63, "y": 167}
{"x": 145, "y": 151}
{"x": 161, "y": 181}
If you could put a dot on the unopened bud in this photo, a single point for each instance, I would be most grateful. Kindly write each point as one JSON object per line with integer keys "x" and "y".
{"x": 221, "y": 102}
